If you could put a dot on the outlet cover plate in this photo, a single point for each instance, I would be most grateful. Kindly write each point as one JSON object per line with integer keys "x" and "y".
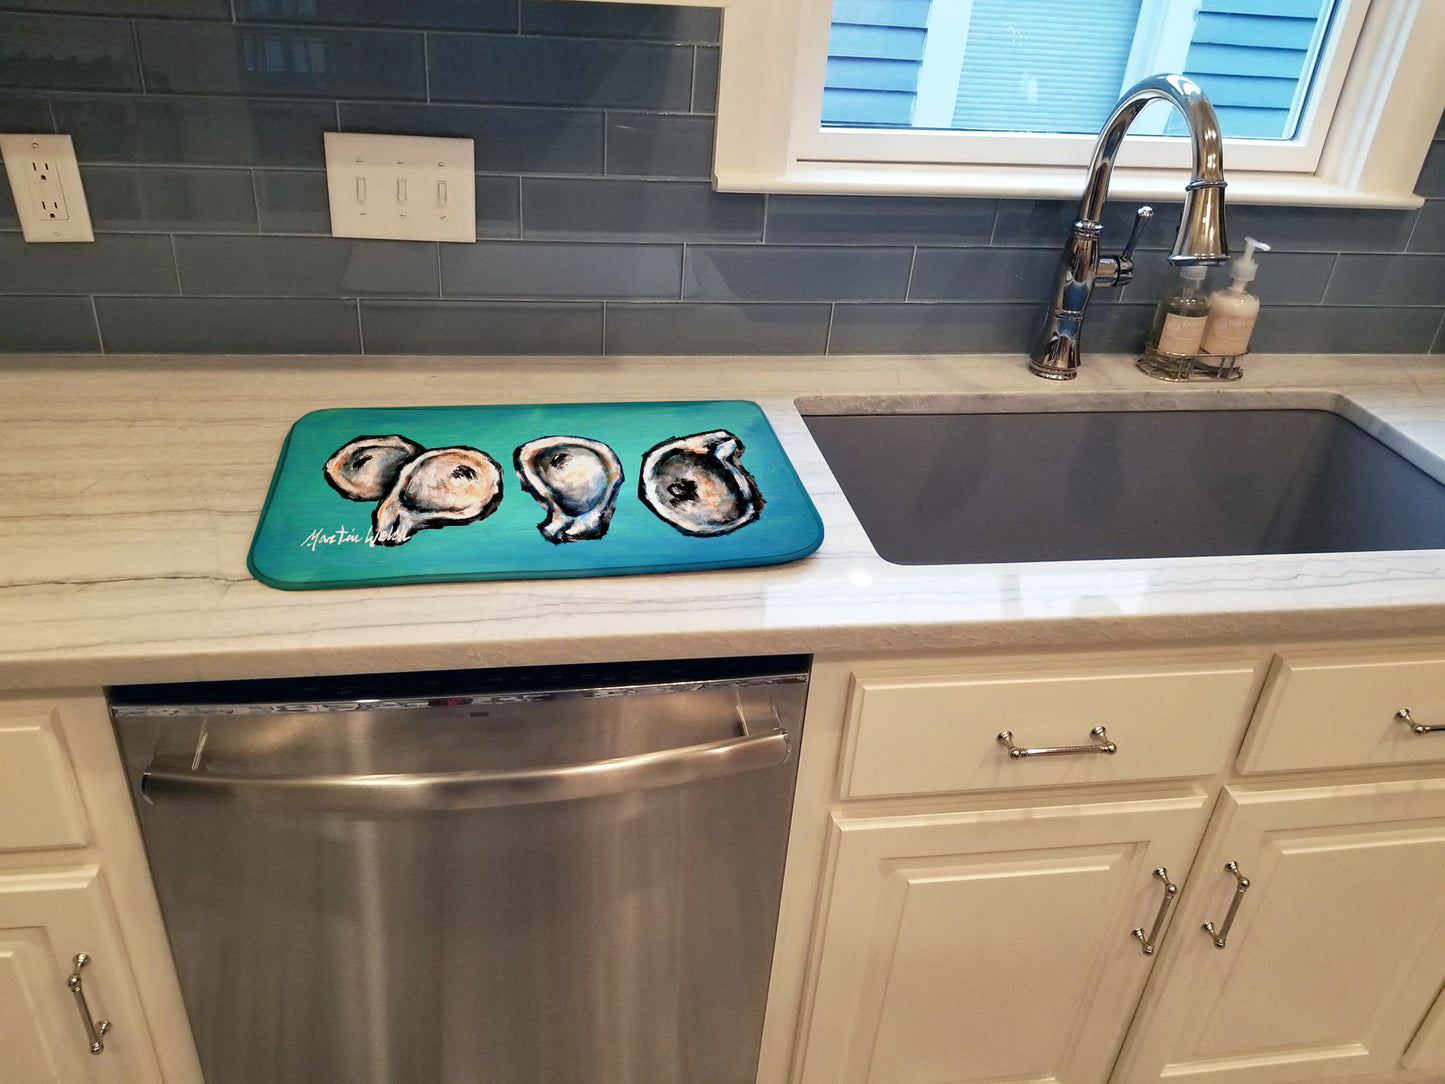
{"x": 409, "y": 188}
{"x": 45, "y": 181}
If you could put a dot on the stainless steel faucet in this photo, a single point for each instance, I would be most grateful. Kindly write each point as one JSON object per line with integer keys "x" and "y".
{"x": 1201, "y": 228}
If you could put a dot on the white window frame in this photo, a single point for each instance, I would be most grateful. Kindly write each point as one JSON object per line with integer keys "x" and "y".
{"x": 942, "y": 65}
{"x": 1366, "y": 151}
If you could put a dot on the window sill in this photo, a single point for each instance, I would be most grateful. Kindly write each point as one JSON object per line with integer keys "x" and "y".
{"x": 1045, "y": 182}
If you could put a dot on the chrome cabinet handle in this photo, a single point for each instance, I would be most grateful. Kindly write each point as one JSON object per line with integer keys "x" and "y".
{"x": 1171, "y": 893}
{"x": 1240, "y": 889}
{"x": 93, "y": 1028}
{"x": 1102, "y": 744}
{"x": 1417, "y": 728}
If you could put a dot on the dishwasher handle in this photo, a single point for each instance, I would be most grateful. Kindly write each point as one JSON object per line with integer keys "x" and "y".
{"x": 173, "y": 779}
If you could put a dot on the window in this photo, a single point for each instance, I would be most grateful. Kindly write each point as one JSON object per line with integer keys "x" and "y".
{"x": 993, "y": 65}
{"x": 1353, "y": 131}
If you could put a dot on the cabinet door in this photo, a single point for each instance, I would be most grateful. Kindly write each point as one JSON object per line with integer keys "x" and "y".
{"x": 39, "y": 803}
{"x": 992, "y": 945}
{"x": 45, "y": 919}
{"x": 1337, "y": 950}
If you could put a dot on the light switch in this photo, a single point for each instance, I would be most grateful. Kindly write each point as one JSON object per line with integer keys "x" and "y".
{"x": 397, "y": 172}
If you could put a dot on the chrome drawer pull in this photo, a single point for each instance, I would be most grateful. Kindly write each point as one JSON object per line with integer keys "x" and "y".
{"x": 1243, "y": 887}
{"x": 1171, "y": 893}
{"x": 1417, "y": 728}
{"x": 1102, "y": 744}
{"x": 95, "y": 1029}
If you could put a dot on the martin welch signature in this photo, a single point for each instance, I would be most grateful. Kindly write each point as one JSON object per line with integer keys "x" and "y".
{"x": 339, "y": 537}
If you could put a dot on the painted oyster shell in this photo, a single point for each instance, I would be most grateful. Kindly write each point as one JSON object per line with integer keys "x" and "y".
{"x": 440, "y": 488}
{"x": 364, "y": 469}
{"x": 576, "y": 480}
{"x": 697, "y": 484}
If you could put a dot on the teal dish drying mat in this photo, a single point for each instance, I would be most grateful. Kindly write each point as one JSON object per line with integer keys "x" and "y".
{"x": 373, "y": 496}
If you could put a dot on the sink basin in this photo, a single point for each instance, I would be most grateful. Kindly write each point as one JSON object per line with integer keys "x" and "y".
{"x": 979, "y": 488}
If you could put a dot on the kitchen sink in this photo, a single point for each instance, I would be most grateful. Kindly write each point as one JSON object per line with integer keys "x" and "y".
{"x": 980, "y": 488}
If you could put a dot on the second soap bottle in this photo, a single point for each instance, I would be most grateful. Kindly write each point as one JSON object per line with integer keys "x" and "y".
{"x": 1179, "y": 321}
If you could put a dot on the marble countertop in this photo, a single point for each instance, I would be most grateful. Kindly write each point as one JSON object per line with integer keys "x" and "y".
{"x": 132, "y": 486}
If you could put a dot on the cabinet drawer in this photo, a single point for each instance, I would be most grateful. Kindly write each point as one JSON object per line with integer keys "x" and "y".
{"x": 934, "y": 733}
{"x": 39, "y": 802}
{"x": 1324, "y": 711}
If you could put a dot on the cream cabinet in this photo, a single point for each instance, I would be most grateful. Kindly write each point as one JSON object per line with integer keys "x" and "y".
{"x": 945, "y": 954}
{"x": 1336, "y": 951}
{"x": 73, "y": 883}
{"x": 50, "y": 1034}
{"x": 972, "y": 915}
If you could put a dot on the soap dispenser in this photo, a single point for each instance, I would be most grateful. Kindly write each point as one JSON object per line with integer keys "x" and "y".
{"x": 1179, "y": 321}
{"x": 1233, "y": 310}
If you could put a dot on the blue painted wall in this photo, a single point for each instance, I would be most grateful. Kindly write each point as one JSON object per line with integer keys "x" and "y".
{"x": 874, "y": 55}
{"x": 1249, "y": 55}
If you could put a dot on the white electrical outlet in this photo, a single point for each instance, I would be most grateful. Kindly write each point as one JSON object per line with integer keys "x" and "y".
{"x": 411, "y": 188}
{"x": 45, "y": 181}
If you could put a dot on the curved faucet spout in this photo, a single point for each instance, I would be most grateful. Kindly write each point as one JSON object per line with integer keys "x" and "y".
{"x": 1200, "y": 239}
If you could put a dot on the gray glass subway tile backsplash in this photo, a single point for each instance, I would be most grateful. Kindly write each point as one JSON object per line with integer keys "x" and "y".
{"x": 202, "y": 325}
{"x": 686, "y": 328}
{"x": 174, "y": 9}
{"x": 198, "y": 125}
{"x": 24, "y": 111}
{"x": 305, "y": 267}
{"x": 481, "y": 327}
{"x": 67, "y": 53}
{"x": 9, "y": 219}
{"x": 432, "y": 15}
{"x": 509, "y": 139}
{"x": 150, "y": 200}
{"x": 164, "y": 129}
{"x": 795, "y": 273}
{"x": 291, "y": 201}
{"x": 933, "y": 328}
{"x": 642, "y": 22}
{"x": 704, "y": 79}
{"x": 883, "y": 220}
{"x": 545, "y": 269}
{"x": 983, "y": 274}
{"x": 647, "y": 144}
{"x": 1345, "y": 330}
{"x": 1429, "y": 235}
{"x": 637, "y": 210}
{"x": 114, "y": 264}
{"x": 311, "y": 62}
{"x": 555, "y": 71}
{"x": 48, "y": 325}
{"x": 1387, "y": 280}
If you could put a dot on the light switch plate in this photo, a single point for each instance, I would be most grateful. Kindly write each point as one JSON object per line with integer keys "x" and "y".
{"x": 45, "y": 181}
{"x": 410, "y": 188}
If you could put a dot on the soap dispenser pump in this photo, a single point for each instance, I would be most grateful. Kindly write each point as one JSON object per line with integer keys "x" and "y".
{"x": 1233, "y": 310}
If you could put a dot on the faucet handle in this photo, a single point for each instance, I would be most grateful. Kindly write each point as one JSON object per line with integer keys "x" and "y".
{"x": 1141, "y": 219}
{"x": 1119, "y": 270}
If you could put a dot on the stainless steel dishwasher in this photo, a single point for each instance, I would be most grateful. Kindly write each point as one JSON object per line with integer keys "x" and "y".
{"x": 564, "y": 874}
